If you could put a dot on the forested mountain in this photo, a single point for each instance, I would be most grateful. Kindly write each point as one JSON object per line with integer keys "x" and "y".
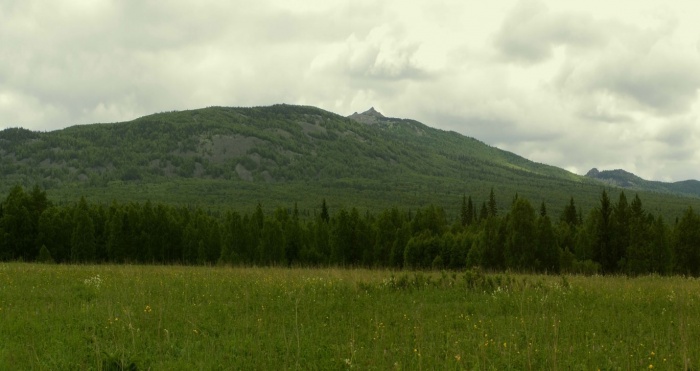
{"x": 624, "y": 179}
{"x": 280, "y": 155}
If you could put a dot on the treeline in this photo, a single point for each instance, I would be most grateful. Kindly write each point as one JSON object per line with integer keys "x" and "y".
{"x": 614, "y": 237}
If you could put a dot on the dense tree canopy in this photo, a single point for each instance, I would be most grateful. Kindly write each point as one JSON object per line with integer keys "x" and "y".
{"x": 613, "y": 238}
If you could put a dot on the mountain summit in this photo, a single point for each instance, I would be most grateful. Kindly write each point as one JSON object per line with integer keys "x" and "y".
{"x": 371, "y": 116}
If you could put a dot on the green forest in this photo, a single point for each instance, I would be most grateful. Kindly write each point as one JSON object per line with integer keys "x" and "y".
{"x": 617, "y": 236}
{"x": 227, "y": 157}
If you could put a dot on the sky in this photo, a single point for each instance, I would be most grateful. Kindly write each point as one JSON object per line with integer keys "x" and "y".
{"x": 605, "y": 84}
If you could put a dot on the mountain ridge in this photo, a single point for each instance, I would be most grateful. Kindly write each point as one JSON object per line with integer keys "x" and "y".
{"x": 282, "y": 154}
{"x": 625, "y": 179}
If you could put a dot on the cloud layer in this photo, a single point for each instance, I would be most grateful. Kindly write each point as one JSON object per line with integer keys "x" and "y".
{"x": 576, "y": 85}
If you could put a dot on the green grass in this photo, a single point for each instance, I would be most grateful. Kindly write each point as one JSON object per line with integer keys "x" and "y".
{"x": 153, "y": 317}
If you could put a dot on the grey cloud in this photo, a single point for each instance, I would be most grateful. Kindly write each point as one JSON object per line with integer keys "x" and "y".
{"x": 530, "y": 31}
{"x": 663, "y": 85}
{"x": 597, "y": 114}
{"x": 660, "y": 82}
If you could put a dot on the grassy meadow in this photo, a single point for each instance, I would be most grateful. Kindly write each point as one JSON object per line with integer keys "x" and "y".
{"x": 215, "y": 318}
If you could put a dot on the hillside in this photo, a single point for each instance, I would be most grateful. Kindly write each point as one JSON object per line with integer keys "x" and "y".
{"x": 624, "y": 179}
{"x": 283, "y": 154}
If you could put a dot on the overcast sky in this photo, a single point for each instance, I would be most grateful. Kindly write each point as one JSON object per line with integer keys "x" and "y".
{"x": 606, "y": 84}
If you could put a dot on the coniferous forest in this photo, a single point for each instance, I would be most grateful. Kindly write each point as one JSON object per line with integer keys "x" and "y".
{"x": 617, "y": 236}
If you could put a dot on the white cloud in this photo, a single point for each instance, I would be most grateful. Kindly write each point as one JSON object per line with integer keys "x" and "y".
{"x": 384, "y": 54}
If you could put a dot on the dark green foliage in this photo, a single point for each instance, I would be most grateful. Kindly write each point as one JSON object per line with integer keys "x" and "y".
{"x": 45, "y": 256}
{"x": 570, "y": 216}
{"x": 603, "y": 249}
{"x": 686, "y": 241}
{"x": 324, "y": 212}
{"x": 54, "y": 232}
{"x": 467, "y": 212}
{"x": 623, "y": 238}
{"x": 19, "y": 223}
{"x": 492, "y": 207}
{"x": 83, "y": 236}
{"x": 620, "y": 239}
{"x": 547, "y": 252}
{"x": 520, "y": 236}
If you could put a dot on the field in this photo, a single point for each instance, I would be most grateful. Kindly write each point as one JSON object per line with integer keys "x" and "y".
{"x": 170, "y": 318}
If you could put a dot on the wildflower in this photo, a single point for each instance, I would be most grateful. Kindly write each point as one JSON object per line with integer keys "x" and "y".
{"x": 147, "y": 309}
{"x": 458, "y": 357}
{"x": 651, "y": 366}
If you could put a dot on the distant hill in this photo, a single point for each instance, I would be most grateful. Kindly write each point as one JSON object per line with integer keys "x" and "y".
{"x": 623, "y": 179}
{"x": 281, "y": 155}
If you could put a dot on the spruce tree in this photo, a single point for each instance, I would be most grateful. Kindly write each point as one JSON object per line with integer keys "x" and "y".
{"x": 620, "y": 232}
{"x": 520, "y": 238}
{"x": 471, "y": 213}
{"x": 484, "y": 213}
{"x": 83, "y": 237}
{"x": 463, "y": 212}
{"x": 44, "y": 256}
{"x": 603, "y": 252}
{"x": 570, "y": 215}
{"x": 325, "y": 217}
{"x": 686, "y": 251}
{"x": 493, "y": 208}
{"x": 547, "y": 253}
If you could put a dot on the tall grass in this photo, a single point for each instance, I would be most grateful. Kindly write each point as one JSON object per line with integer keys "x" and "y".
{"x": 136, "y": 317}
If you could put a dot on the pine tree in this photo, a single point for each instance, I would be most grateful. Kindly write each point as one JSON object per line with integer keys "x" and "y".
{"x": 325, "y": 217}
{"x": 520, "y": 238}
{"x": 484, "y": 213}
{"x": 44, "y": 256}
{"x": 471, "y": 213}
{"x": 19, "y": 227}
{"x": 687, "y": 244}
{"x": 463, "y": 212}
{"x": 293, "y": 239}
{"x": 342, "y": 238}
{"x": 662, "y": 260}
{"x": 83, "y": 237}
{"x": 620, "y": 233}
{"x": 117, "y": 239}
{"x": 570, "y": 216}
{"x": 639, "y": 254}
{"x": 55, "y": 228}
{"x": 603, "y": 252}
{"x": 547, "y": 253}
{"x": 231, "y": 239}
{"x": 272, "y": 244}
{"x": 467, "y": 211}
{"x": 493, "y": 208}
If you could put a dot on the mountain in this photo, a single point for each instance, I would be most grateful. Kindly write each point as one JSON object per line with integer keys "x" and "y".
{"x": 624, "y": 179}
{"x": 281, "y": 155}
